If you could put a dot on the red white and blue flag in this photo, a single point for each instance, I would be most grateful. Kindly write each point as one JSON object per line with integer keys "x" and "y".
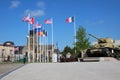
{"x": 70, "y": 19}
{"x": 48, "y": 21}
{"x": 37, "y": 25}
{"x": 16, "y": 48}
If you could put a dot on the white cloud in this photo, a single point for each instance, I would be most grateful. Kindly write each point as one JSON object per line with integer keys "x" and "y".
{"x": 35, "y": 13}
{"x": 14, "y": 4}
{"x": 99, "y": 22}
{"x": 41, "y": 4}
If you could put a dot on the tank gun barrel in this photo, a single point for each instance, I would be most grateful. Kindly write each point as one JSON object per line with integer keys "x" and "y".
{"x": 93, "y": 36}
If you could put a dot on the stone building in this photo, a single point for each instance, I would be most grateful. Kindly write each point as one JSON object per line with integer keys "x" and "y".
{"x": 7, "y": 52}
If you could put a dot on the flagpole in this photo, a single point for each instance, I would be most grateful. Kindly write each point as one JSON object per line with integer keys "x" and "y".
{"x": 39, "y": 57}
{"x": 40, "y": 48}
{"x": 44, "y": 47}
{"x": 37, "y": 43}
{"x": 47, "y": 48}
{"x": 28, "y": 42}
{"x": 75, "y": 34}
{"x": 52, "y": 34}
{"x": 27, "y": 19}
{"x": 33, "y": 46}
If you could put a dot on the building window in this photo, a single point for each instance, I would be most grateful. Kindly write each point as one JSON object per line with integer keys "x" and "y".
{"x": 3, "y": 52}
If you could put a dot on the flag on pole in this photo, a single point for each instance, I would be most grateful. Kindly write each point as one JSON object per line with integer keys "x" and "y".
{"x": 16, "y": 48}
{"x": 44, "y": 33}
{"x": 70, "y": 19}
{"x": 36, "y": 25}
{"x": 31, "y": 21}
{"x": 48, "y": 21}
{"x": 40, "y": 33}
{"x": 26, "y": 18}
{"x": 37, "y": 29}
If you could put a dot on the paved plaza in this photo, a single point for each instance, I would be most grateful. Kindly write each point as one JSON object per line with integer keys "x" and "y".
{"x": 67, "y": 71}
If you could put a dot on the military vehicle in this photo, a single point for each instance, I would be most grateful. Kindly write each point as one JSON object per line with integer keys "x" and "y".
{"x": 104, "y": 48}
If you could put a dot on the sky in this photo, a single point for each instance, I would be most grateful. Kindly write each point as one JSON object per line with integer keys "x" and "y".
{"x": 99, "y": 17}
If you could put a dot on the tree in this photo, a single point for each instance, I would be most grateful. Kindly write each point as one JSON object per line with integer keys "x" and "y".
{"x": 66, "y": 50}
{"x": 82, "y": 42}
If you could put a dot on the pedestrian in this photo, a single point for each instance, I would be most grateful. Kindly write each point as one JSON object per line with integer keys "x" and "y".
{"x": 24, "y": 59}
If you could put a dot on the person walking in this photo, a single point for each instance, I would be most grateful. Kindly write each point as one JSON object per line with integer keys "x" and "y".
{"x": 24, "y": 59}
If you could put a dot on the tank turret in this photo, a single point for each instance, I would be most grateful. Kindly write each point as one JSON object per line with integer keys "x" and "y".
{"x": 103, "y": 42}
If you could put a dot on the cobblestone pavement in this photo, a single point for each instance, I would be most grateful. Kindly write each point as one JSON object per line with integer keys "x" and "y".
{"x": 7, "y": 67}
{"x": 67, "y": 71}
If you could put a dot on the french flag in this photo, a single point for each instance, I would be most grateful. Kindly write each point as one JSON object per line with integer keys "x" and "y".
{"x": 70, "y": 19}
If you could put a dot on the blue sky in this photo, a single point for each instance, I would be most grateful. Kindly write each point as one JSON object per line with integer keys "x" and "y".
{"x": 99, "y": 17}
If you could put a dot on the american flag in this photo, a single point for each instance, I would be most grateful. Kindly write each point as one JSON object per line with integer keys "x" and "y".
{"x": 48, "y": 21}
{"x": 16, "y": 48}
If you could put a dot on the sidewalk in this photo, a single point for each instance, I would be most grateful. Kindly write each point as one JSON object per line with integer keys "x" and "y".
{"x": 67, "y": 71}
{"x": 6, "y": 68}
